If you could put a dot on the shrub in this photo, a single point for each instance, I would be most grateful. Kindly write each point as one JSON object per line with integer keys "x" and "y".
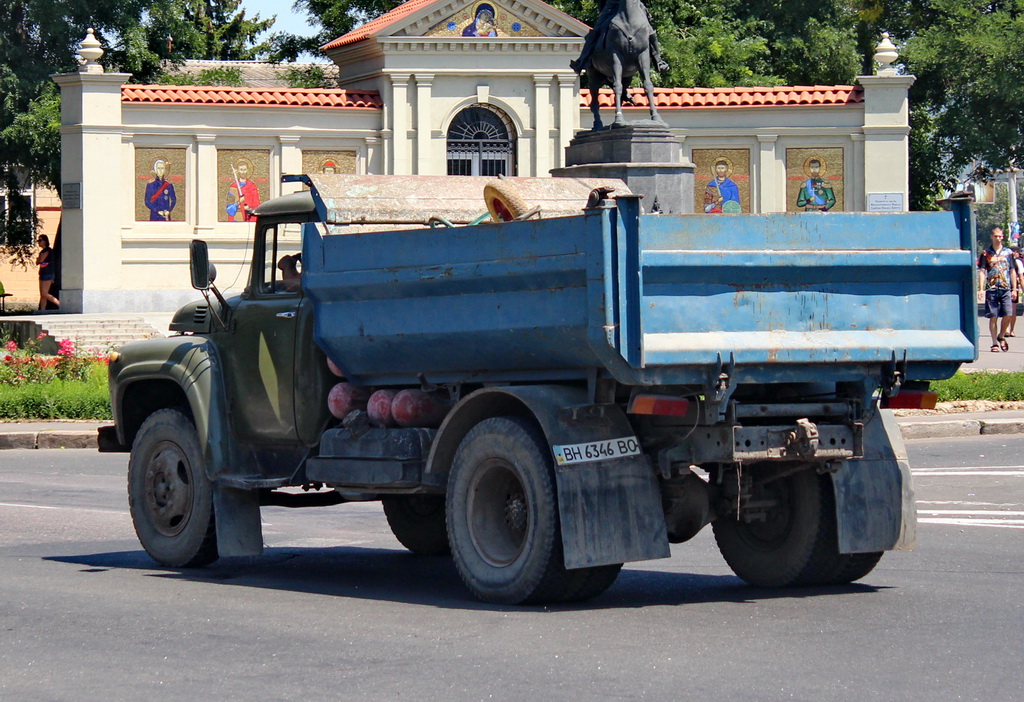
{"x": 70, "y": 385}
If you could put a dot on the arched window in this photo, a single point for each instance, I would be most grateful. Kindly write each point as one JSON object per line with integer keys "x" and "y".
{"x": 481, "y": 141}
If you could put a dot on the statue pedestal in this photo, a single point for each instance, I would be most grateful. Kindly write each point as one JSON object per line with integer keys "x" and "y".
{"x": 645, "y": 155}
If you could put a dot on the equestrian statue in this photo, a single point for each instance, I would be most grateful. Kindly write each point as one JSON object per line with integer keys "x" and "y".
{"x": 621, "y": 43}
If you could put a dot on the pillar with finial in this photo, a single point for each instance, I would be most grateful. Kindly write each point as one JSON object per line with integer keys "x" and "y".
{"x": 885, "y": 144}
{"x": 885, "y": 55}
{"x": 93, "y": 182}
{"x": 89, "y": 52}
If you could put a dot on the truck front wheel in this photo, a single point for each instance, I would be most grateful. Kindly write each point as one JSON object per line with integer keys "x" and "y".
{"x": 169, "y": 494}
{"x": 417, "y": 521}
{"x": 793, "y": 542}
{"x": 503, "y": 515}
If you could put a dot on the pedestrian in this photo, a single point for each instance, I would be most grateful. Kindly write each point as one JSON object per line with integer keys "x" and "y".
{"x": 47, "y": 272}
{"x": 1019, "y": 263}
{"x": 997, "y": 276}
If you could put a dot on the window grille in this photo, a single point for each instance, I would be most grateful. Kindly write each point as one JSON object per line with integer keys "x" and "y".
{"x": 480, "y": 143}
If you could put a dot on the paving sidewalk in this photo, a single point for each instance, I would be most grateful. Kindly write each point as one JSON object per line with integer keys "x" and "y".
{"x": 76, "y": 434}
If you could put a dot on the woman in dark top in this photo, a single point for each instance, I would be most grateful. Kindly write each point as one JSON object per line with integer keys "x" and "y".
{"x": 47, "y": 272}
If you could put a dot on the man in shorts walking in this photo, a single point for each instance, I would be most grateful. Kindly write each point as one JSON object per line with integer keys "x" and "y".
{"x": 997, "y": 276}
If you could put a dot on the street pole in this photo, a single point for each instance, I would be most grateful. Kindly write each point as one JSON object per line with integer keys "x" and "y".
{"x": 1014, "y": 223}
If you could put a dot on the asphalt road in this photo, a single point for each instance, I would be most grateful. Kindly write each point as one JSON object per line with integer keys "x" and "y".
{"x": 337, "y": 610}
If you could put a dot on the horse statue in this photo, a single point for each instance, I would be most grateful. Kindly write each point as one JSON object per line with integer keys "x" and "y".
{"x": 621, "y": 43}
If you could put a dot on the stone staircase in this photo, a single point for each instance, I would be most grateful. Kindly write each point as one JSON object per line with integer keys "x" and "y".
{"x": 92, "y": 333}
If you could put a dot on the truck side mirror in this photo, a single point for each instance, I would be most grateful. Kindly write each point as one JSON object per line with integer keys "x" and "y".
{"x": 203, "y": 272}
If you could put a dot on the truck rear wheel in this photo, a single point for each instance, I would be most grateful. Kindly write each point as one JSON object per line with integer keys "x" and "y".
{"x": 854, "y": 566}
{"x": 169, "y": 494}
{"x": 588, "y": 583}
{"x": 417, "y": 521}
{"x": 503, "y": 515}
{"x": 795, "y": 544}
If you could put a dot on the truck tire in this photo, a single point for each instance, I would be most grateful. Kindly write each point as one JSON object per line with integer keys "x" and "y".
{"x": 417, "y": 521}
{"x": 854, "y": 566}
{"x": 588, "y": 583}
{"x": 169, "y": 495}
{"x": 503, "y": 515}
{"x": 795, "y": 545}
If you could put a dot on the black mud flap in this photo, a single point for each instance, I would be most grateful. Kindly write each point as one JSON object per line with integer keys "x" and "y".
{"x": 237, "y": 514}
{"x": 609, "y": 502}
{"x": 107, "y": 442}
{"x": 611, "y": 512}
{"x": 875, "y": 508}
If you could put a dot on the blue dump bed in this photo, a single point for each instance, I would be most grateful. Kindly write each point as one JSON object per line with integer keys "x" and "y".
{"x": 649, "y": 299}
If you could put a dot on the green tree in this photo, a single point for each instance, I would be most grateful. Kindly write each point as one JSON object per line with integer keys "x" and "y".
{"x": 176, "y": 30}
{"x": 969, "y": 61}
{"x": 41, "y": 37}
{"x": 37, "y": 38}
{"x": 334, "y": 17}
{"x": 809, "y": 42}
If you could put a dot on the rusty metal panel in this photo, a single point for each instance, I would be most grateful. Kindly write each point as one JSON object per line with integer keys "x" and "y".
{"x": 374, "y": 199}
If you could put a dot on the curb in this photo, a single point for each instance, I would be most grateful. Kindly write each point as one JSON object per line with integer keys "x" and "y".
{"x": 942, "y": 429}
{"x": 954, "y": 428}
{"x": 48, "y": 440}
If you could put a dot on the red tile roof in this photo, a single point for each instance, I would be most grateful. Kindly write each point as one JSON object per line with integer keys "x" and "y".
{"x": 789, "y": 95}
{"x": 375, "y": 25}
{"x": 665, "y": 98}
{"x": 269, "y": 97}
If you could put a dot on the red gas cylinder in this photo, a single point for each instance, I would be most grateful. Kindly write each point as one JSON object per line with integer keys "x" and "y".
{"x": 334, "y": 369}
{"x": 379, "y": 408}
{"x": 345, "y": 397}
{"x": 416, "y": 408}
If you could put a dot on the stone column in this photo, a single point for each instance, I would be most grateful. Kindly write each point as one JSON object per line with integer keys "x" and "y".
{"x": 373, "y": 163}
{"x": 886, "y": 133}
{"x": 291, "y": 162}
{"x": 542, "y": 124}
{"x": 93, "y": 184}
{"x": 401, "y": 152}
{"x": 424, "y": 145}
{"x": 855, "y": 192}
{"x": 206, "y": 172}
{"x": 768, "y": 198}
{"x": 568, "y": 114}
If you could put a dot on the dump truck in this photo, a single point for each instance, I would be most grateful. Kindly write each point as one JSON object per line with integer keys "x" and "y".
{"x": 584, "y": 383}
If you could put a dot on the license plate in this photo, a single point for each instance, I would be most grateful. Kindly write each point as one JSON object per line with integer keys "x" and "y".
{"x": 596, "y": 450}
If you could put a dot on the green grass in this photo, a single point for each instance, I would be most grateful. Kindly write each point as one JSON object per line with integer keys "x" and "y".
{"x": 997, "y": 386}
{"x": 90, "y": 400}
{"x": 58, "y": 400}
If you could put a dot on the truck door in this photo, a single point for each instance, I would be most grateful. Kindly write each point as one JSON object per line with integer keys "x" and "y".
{"x": 262, "y": 361}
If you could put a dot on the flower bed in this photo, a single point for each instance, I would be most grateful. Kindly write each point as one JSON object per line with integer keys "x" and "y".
{"x": 70, "y": 385}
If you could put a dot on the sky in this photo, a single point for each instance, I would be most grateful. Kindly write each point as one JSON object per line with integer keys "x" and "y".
{"x": 287, "y": 19}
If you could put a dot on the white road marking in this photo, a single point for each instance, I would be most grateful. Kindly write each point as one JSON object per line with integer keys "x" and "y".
{"x": 968, "y": 467}
{"x": 987, "y": 512}
{"x": 994, "y": 523}
{"x": 953, "y": 472}
{"x": 966, "y": 503}
{"x": 76, "y": 509}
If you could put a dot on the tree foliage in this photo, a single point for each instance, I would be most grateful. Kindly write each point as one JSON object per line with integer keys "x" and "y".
{"x": 334, "y": 17}
{"x": 41, "y": 37}
{"x": 37, "y": 38}
{"x": 969, "y": 61}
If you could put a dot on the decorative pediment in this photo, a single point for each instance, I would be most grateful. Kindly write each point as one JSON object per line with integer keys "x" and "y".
{"x": 484, "y": 19}
{"x": 490, "y": 18}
